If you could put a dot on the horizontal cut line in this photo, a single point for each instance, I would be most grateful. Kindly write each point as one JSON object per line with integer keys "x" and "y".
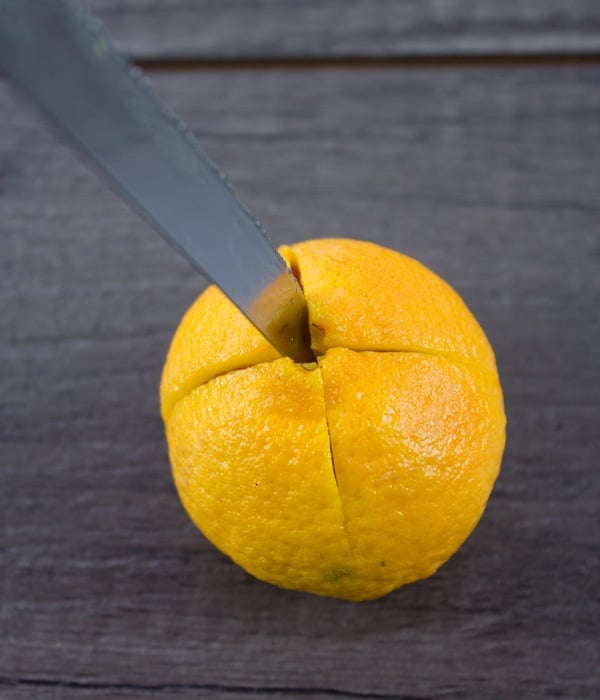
{"x": 475, "y": 60}
{"x": 454, "y": 358}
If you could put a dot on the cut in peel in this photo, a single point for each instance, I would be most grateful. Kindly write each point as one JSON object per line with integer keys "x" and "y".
{"x": 350, "y": 469}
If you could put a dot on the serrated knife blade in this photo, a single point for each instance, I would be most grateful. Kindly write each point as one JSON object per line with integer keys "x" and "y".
{"x": 61, "y": 57}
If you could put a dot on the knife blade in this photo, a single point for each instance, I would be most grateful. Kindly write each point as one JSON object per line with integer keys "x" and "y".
{"x": 61, "y": 57}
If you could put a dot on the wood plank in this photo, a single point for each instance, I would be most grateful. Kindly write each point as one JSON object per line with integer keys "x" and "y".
{"x": 488, "y": 176}
{"x": 209, "y": 29}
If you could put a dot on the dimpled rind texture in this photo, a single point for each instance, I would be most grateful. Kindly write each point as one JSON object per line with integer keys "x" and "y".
{"x": 361, "y": 472}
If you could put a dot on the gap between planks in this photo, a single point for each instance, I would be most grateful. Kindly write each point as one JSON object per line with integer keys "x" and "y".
{"x": 175, "y": 64}
{"x": 368, "y": 62}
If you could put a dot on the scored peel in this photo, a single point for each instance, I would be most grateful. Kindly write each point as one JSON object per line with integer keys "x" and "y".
{"x": 355, "y": 474}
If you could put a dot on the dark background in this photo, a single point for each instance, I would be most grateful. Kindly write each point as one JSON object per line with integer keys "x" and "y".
{"x": 466, "y": 134}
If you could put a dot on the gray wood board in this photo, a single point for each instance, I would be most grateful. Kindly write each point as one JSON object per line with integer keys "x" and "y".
{"x": 491, "y": 178}
{"x": 151, "y": 29}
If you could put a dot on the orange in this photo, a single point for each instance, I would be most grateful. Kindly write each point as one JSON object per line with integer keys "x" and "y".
{"x": 355, "y": 474}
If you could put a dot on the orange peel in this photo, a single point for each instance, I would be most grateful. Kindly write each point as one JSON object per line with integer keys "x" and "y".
{"x": 353, "y": 475}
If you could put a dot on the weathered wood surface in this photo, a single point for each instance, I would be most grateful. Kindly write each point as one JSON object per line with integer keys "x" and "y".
{"x": 488, "y": 176}
{"x": 161, "y": 29}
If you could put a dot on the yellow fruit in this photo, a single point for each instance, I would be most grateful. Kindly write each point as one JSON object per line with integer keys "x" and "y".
{"x": 355, "y": 474}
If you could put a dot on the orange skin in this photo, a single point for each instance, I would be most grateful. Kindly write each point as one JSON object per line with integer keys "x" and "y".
{"x": 356, "y": 474}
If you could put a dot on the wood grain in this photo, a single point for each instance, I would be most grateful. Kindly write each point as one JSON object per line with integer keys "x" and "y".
{"x": 209, "y": 29}
{"x": 488, "y": 176}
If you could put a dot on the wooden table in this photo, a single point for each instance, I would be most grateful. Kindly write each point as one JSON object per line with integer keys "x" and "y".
{"x": 466, "y": 134}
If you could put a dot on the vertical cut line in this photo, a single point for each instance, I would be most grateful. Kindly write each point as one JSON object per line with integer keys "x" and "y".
{"x": 295, "y": 269}
{"x": 333, "y": 469}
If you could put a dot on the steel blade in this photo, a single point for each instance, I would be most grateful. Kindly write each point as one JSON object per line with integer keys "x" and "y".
{"x": 62, "y": 58}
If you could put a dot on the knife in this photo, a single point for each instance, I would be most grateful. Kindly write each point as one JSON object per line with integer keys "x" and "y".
{"x": 61, "y": 57}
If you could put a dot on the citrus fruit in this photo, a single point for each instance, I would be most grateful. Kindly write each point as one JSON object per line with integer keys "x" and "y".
{"x": 354, "y": 474}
